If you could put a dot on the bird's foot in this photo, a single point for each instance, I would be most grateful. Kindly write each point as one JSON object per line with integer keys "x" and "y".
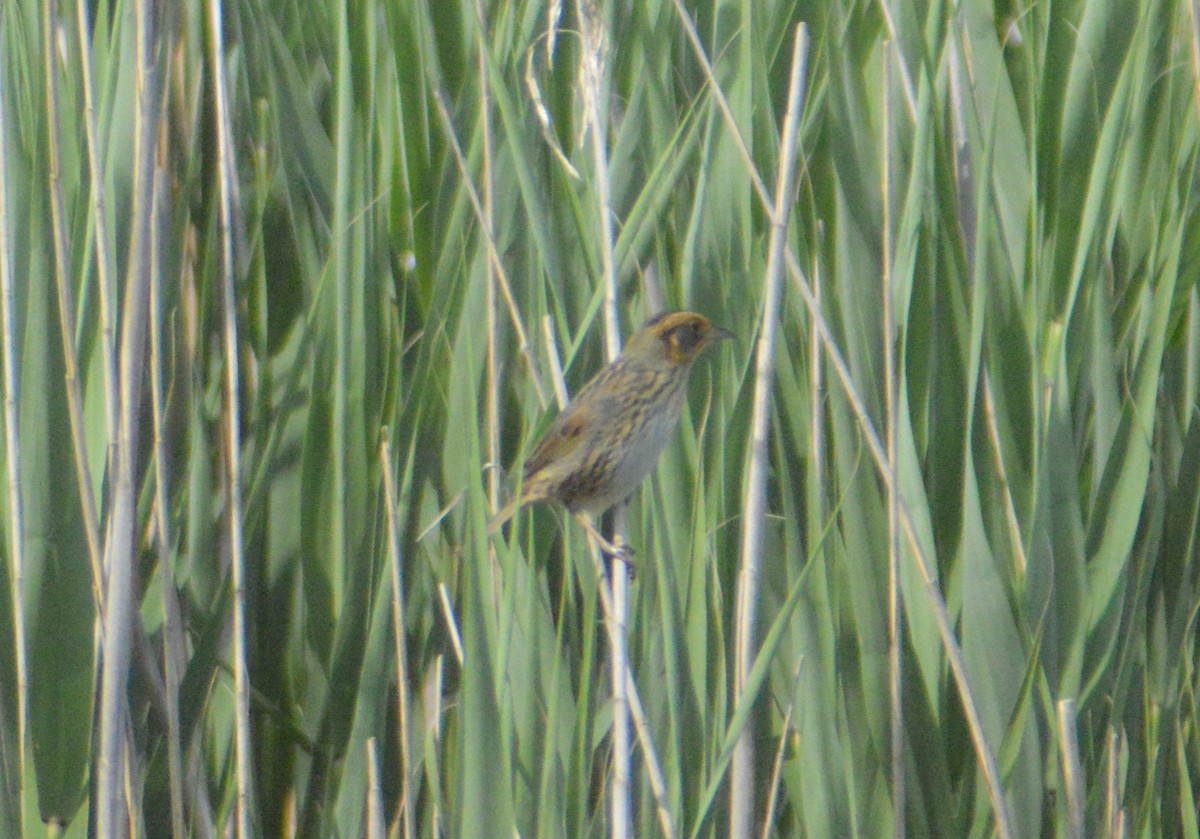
{"x": 617, "y": 548}
{"x": 621, "y": 550}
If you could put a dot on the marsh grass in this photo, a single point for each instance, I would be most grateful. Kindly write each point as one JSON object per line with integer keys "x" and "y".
{"x": 1002, "y": 461}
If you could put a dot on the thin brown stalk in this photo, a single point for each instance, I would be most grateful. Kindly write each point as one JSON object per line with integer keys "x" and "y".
{"x": 66, "y": 308}
{"x": 816, "y": 384}
{"x": 556, "y": 374}
{"x": 910, "y": 96}
{"x": 593, "y": 77}
{"x": 481, "y": 216}
{"x": 104, "y": 261}
{"x": 756, "y": 181}
{"x": 542, "y": 112}
{"x": 964, "y": 175}
{"x": 122, "y": 531}
{"x": 754, "y": 509}
{"x": 226, "y": 173}
{"x": 492, "y": 380}
{"x": 658, "y": 782}
{"x": 780, "y": 752}
{"x": 174, "y": 655}
{"x": 396, "y": 570}
{"x": 492, "y": 398}
{"x": 451, "y": 623}
{"x": 376, "y": 825}
{"x": 1072, "y": 769}
{"x": 432, "y": 702}
{"x": 1113, "y": 826}
{"x": 619, "y": 801}
{"x": 895, "y": 601}
{"x": 658, "y": 787}
{"x": 1016, "y": 540}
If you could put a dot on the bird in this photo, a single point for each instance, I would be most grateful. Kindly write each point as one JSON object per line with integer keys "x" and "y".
{"x": 609, "y": 437}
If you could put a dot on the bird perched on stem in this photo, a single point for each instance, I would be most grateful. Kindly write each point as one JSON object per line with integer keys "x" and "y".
{"x": 607, "y": 440}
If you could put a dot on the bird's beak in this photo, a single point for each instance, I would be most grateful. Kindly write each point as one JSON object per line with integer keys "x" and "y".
{"x": 719, "y": 333}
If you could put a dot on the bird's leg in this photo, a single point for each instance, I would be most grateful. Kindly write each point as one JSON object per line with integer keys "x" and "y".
{"x": 616, "y": 549}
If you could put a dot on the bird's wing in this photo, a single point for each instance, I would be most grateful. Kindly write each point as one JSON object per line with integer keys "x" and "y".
{"x": 561, "y": 439}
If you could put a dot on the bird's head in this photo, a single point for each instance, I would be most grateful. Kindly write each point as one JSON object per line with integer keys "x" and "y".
{"x": 676, "y": 338}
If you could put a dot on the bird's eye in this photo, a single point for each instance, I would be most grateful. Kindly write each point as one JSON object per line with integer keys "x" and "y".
{"x": 685, "y": 336}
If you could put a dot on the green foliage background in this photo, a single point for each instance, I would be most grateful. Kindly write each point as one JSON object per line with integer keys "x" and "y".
{"x": 1036, "y": 162}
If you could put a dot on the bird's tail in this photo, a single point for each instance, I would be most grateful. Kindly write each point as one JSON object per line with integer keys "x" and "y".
{"x": 506, "y": 513}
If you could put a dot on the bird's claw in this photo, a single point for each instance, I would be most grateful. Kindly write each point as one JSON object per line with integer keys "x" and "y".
{"x": 621, "y": 550}
{"x": 618, "y": 548}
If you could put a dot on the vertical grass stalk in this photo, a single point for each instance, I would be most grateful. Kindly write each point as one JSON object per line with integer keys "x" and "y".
{"x": 741, "y": 807}
{"x": 1072, "y": 770}
{"x": 593, "y": 72}
{"x": 396, "y": 572}
{"x": 174, "y": 654}
{"x": 895, "y": 602}
{"x": 492, "y": 399}
{"x": 226, "y": 173}
{"x": 104, "y": 260}
{"x": 119, "y": 607}
{"x": 66, "y": 307}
